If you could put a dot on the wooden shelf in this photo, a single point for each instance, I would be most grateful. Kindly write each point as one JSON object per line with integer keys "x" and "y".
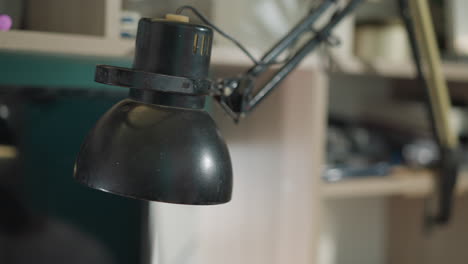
{"x": 401, "y": 182}
{"x": 84, "y": 45}
{"x": 454, "y": 71}
{"x": 75, "y": 44}
{"x": 58, "y": 60}
{"x": 61, "y": 43}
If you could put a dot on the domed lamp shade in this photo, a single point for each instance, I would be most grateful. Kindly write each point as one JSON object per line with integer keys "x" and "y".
{"x": 159, "y": 144}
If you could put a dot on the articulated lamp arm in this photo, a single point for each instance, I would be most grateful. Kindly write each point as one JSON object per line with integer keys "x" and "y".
{"x": 237, "y": 95}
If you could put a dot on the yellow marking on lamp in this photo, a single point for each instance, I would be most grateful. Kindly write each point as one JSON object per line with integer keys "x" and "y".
{"x": 177, "y": 18}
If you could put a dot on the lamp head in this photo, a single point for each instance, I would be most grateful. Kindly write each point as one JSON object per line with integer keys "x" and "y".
{"x": 159, "y": 144}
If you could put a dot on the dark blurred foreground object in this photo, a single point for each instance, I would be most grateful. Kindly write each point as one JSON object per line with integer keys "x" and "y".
{"x": 25, "y": 235}
{"x": 26, "y": 238}
{"x": 45, "y": 215}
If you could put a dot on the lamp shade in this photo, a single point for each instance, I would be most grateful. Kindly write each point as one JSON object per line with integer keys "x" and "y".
{"x": 158, "y": 153}
{"x": 159, "y": 144}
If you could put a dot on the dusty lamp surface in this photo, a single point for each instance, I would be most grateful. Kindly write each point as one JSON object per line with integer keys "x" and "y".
{"x": 159, "y": 144}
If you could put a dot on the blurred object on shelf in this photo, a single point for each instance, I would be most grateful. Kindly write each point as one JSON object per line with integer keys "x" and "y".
{"x": 420, "y": 153}
{"x": 459, "y": 120}
{"x": 129, "y": 23}
{"x": 5, "y": 22}
{"x": 356, "y": 151}
{"x": 373, "y": 148}
{"x": 11, "y": 14}
{"x": 338, "y": 145}
{"x": 355, "y": 145}
{"x": 333, "y": 174}
{"x": 370, "y": 143}
{"x": 87, "y": 17}
{"x": 382, "y": 41}
{"x": 457, "y": 26}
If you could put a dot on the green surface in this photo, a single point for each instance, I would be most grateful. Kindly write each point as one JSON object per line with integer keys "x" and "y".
{"x": 51, "y": 137}
{"x": 47, "y": 70}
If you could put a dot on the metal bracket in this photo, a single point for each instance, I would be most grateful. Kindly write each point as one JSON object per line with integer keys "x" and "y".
{"x": 135, "y": 79}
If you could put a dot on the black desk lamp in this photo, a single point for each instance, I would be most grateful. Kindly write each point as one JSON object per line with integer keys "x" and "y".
{"x": 159, "y": 144}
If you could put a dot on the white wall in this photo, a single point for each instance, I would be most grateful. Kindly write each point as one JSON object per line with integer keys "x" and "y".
{"x": 354, "y": 231}
{"x": 273, "y": 216}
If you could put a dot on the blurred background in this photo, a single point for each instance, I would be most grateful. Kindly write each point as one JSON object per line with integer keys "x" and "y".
{"x": 333, "y": 168}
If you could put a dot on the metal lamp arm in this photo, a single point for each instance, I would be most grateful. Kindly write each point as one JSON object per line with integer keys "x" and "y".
{"x": 417, "y": 20}
{"x": 236, "y": 94}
